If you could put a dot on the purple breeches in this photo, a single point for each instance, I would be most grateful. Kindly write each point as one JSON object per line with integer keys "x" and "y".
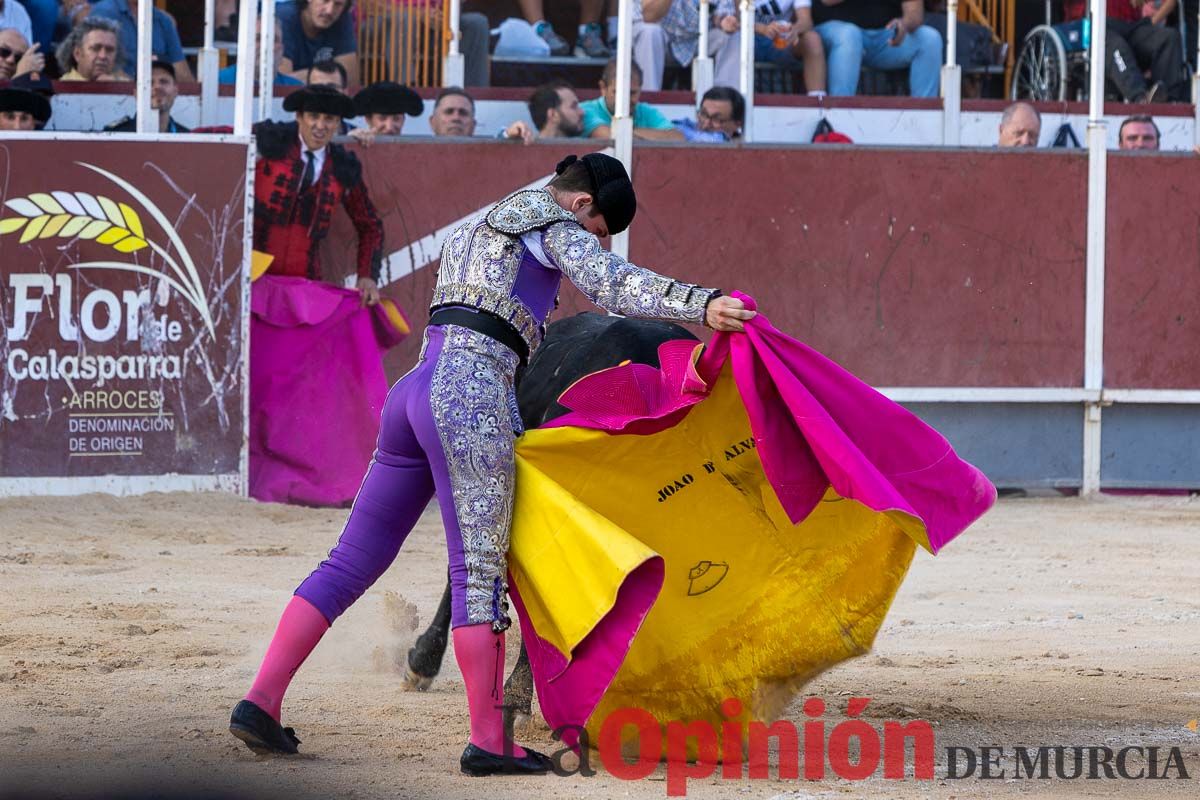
{"x": 448, "y": 426}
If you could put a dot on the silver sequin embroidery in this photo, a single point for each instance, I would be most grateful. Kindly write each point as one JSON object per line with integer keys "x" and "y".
{"x": 472, "y": 399}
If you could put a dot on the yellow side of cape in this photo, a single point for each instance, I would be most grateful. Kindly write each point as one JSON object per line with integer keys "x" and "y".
{"x": 752, "y": 606}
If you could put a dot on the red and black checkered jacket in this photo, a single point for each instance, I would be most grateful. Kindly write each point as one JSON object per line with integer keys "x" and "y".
{"x": 289, "y": 224}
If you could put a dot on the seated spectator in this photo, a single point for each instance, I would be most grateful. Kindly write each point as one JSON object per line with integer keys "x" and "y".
{"x": 556, "y": 112}
{"x": 163, "y": 91}
{"x": 667, "y": 32}
{"x": 453, "y": 113}
{"x": 22, "y": 110}
{"x": 1138, "y": 132}
{"x": 405, "y": 23}
{"x": 590, "y": 42}
{"x": 1134, "y": 43}
{"x": 648, "y": 122}
{"x": 228, "y": 75}
{"x": 17, "y": 56}
{"x": 720, "y": 118}
{"x": 14, "y": 15}
{"x": 882, "y": 34}
{"x": 91, "y": 52}
{"x": 1020, "y": 126}
{"x": 317, "y": 30}
{"x": 384, "y": 105}
{"x": 327, "y": 73}
{"x": 164, "y": 41}
{"x": 783, "y": 35}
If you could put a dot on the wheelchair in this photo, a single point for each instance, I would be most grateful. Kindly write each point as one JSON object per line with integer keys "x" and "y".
{"x": 1053, "y": 62}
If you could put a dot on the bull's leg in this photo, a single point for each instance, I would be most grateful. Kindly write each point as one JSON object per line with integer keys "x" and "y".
{"x": 425, "y": 657}
{"x": 518, "y": 690}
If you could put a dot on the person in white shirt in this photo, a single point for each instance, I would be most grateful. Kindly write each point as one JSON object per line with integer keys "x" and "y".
{"x": 784, "y": 34}
{"x": 667, "y": 32}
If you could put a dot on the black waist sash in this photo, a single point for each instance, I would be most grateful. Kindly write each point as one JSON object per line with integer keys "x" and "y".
{"x": 486, "y": 323}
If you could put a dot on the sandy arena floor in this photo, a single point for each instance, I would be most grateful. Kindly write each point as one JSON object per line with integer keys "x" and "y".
{"x": 130, "y": 627}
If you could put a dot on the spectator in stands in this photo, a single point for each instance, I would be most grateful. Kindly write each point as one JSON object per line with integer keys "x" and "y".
{"x": 882, "y": 34}
{"x": 17, "y": 56}
{"x": 1020, "y": 126}
{"x": 22, "y": 110}
{"x": 229, "y": 74}
{"x": 590, "y": 41}
{"x": 163, "y": 91}
{"x": 648, "y": 122}
{"x": 1138, "y": 132}
{"x": 384, "y": 105}
{"x": 453, "y": 113}
{"x": 783, "y": 35}
{"x": 317, "y": 30}
{"x": 14, "y": 15}
{"x": 406, "y": 23}
{"x": 91, "y": 52}
{"x": 164, "y": 42}
{"x": 720, "y": 118}
{"x": 667, "y": 32}
{"x": 327, "y": 73}
{"x": 1134, "y": 43}
{"x": 555, "y": 111}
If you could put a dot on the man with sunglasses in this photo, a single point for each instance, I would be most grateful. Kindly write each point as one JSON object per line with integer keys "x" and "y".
{"x": 720, "y": 118}
{"x": 16, "y": 55}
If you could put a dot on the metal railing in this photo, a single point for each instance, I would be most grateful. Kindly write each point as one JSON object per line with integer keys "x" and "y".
{"x": 403, "y": 41}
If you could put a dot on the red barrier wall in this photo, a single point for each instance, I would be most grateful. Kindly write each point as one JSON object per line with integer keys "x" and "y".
{"x": 1151, "y": 324}
{"x": 910, "y": 267}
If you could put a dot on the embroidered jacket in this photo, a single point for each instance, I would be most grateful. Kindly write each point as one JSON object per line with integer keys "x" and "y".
{"x": 510, "y": 262}
{"x": 290, "y": 223}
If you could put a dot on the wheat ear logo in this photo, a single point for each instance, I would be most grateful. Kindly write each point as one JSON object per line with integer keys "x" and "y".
{"x": 79, "y": 215}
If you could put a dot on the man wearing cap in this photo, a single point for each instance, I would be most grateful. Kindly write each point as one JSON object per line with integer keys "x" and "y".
{"x": 163, "y": 91}
{"x": 22, "y": 110}
{"x": 301, "y": 176}
{"x": 449, "y": 427}
{"x": 384, "y": 105}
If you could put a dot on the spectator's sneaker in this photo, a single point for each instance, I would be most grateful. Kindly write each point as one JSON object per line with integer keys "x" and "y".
{"x": 591, "y": 43}
{"x": 558, "y": 45}
{"x": 1156, "y": 93}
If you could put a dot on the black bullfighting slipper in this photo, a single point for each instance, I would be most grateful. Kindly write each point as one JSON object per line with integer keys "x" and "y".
{"x": 261, "y": 732}
{"x": 478, "y": 762}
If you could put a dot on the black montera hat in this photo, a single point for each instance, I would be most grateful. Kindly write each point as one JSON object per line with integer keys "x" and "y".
{"x": 612, "y": 190}
{"x": 24, "y": 100}
{"x": 320, "y": 99}
{"x": 388, "y": 97}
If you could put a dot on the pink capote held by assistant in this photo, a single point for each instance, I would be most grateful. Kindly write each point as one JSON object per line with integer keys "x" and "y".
{"x": 317, "y": 387}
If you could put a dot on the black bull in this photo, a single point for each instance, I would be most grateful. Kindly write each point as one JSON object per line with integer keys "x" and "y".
{"x": 574, "y": 347}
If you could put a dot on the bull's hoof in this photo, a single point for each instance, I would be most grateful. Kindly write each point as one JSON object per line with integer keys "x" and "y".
{"x": 416, "y": 683}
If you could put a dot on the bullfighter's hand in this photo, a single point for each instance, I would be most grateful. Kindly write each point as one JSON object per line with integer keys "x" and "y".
{"x": 727, "y": 314}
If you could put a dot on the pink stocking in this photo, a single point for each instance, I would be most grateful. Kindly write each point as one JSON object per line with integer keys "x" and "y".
{"x": 480, "y": 655}
{"x": 300, "y": 628}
